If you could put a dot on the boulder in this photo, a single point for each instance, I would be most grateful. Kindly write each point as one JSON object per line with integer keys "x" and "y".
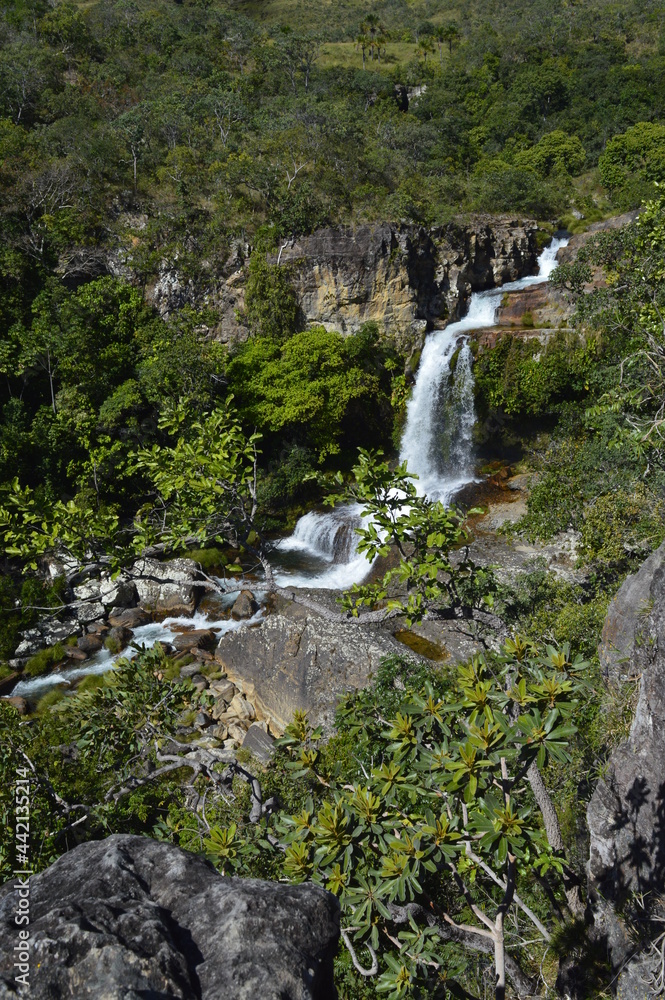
{"x": 30, "y": 644}
{"x": 97, "y": 628}
{"x": 88, "y": 591}
{"x": 128, "y": 618}
{"x": 260, "y": 743}
{"x": 626, "y": 814}
{"x": 86, "y": 613}
{"x": 245, "y": 606}
{"x": 90, "y": 644}
{"x": 18, "y": 703}
{"x": 625, "y": 620}
{"x": 74, "y": 653}
{"x": 130, "y": 917}
{"x": 298, "y": 659}
{"x": 166, "y": 587}
{"x": 120, "y": 634}
{"x": 223, "y": 689}
{"x": 118, "y": 593}
{"x": 196, "y": 637}
{"x": 236, "y": 732}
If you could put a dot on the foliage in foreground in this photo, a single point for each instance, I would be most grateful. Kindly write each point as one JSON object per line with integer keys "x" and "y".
{"x": 433, "y": 571}
{"x": 431, "y": 834}
{"x": 410, "y": 812}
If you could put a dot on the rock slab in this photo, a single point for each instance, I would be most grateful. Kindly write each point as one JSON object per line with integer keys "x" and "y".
{"x": 298, "y": 659}
{"x": 128, "y": 917}
{"x": 626, "y": 814}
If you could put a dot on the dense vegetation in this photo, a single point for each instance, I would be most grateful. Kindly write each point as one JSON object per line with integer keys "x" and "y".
{"x": 145, "y": 138}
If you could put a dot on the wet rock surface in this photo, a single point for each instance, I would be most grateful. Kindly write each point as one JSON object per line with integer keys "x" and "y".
{"x": 129, "y": 917}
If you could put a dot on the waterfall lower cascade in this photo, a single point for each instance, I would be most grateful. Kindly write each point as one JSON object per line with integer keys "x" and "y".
{"x": 436, "y": 444}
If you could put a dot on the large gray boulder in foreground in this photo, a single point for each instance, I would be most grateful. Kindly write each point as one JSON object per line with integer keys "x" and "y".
{"x": 128, "y": 918}
{"x": 626, "y": 814}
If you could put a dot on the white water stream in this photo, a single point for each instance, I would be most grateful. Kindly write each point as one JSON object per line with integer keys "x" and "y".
{"x": 436, "y": 444}
{"x": 145, "y": 636}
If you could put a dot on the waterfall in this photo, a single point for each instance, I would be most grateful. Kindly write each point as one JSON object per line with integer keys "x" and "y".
{"x": 437, "y": 443}
{"x": 321, "y": 552}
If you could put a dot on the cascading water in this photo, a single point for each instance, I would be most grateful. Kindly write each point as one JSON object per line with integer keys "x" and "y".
{"x": 321, "y": 552}
{"x": 145, "y": 636}
{"x": 436, "y": 445}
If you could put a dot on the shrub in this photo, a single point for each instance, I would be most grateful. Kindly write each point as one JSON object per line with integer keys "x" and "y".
{"x": 49, "y": 699}
{"x": 44, "y": 660}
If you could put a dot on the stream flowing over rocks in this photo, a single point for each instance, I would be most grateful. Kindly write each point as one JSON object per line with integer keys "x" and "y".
{"x": 127, "y": 918}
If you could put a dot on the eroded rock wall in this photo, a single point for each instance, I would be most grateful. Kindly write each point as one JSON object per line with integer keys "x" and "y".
{"x": 406, "y": 278}
{"x": 626, "y": 814}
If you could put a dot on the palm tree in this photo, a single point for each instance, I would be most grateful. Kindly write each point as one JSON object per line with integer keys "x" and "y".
{"x": 362, "y": 42}
{"x": 373, "y": 28}
{"x": 450, "y": 34}
{"x": 425, "y": 45}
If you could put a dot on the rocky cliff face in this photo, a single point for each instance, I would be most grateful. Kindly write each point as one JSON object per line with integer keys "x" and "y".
{"x": 626, "y": 815}
{"x": 129, "y": 917}
{"x": 404, "y": 277}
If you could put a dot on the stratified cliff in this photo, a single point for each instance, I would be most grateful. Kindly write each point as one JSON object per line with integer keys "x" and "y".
{"x": 404, "y": 277}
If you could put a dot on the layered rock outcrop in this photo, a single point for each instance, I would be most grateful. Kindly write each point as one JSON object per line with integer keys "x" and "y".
{"x": 626, "y": 814}
{"x": 129, "y": 917}
{"x": 406, "y": 278}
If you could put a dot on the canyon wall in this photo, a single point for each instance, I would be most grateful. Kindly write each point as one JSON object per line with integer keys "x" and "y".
{"x": 406, "y": 278}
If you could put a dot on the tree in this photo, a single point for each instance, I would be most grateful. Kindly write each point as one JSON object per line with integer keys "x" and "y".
{"x": 374, "y": 31}
{"x": 131, "y": 130}
{"x": 298, "y": 54}
{"x": 202, "y": 485}
{"x": 434, "y": 573}
{"x": 449, "y": 33}
{"x": 270, "y": 301}
{"x": 228, "y": 110}
{"x": 362, "y": 43}
{"x": 555, "y": 154}
{"x": 428, "y": 836}
{"x": 303, "y": 387}
{"x": 425, "y": 46}
{"x": 634, "y": 158}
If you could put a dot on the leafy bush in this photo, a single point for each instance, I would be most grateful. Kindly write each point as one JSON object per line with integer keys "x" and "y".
{"x": 318, "y": 388}
{"x": 633, "y": 161}
{"x": 270, "y": 301}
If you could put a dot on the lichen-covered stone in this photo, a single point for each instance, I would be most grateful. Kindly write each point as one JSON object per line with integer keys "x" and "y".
{"x": 129, "y": 917}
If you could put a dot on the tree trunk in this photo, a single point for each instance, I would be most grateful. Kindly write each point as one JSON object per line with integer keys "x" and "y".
{"x": 571, "y": 882}
{"x": 50, "y": 378}
{"x": 499, "y": 959}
